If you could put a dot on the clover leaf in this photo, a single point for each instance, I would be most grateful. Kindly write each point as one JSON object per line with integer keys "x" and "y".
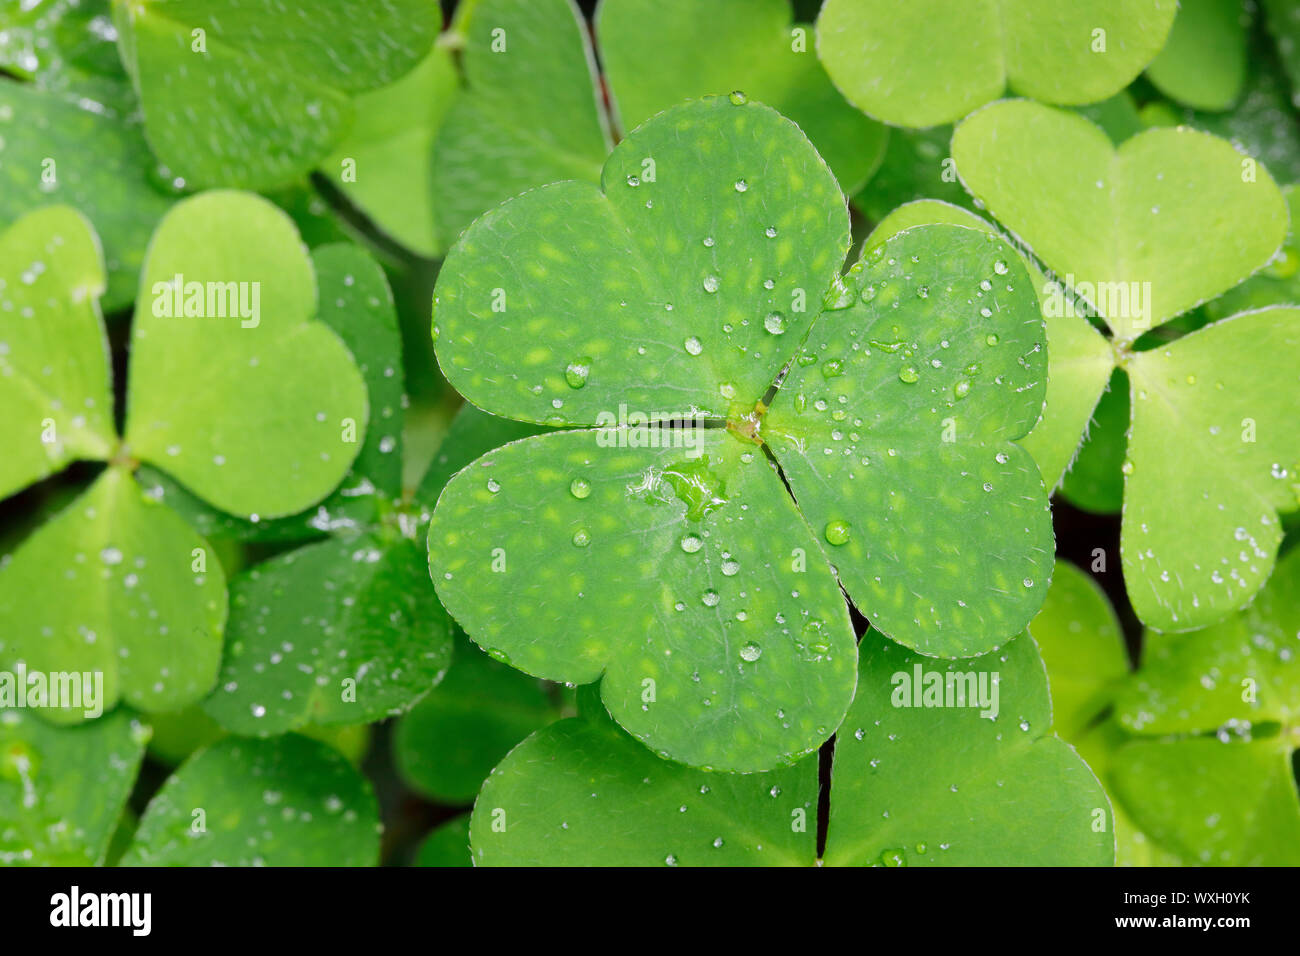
{"x": 657, "y": 53}
{"x": 1057, "y": 51}
{"x": 1130, "y": 219}
{"x": 117, "y": 582}
{"x": 344, "y": 630}
{"x": 1213, "y": 776}
{"x": 699, "y": 278}
{"x": 255, "y": 94}
{"x": 910, "y": 785}
{"x": 1131, "y": 254}
{"x": 62, "y": 790}
{"x": 288, "y": 801}
{"x": 1203, "y": 64}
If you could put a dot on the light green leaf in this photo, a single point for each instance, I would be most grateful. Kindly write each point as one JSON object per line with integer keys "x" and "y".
{"x": 896, "y": 431}
{"x": 54, "y": 366}
{"x": 116, "y": 583}
{"x": 448, "y": 744}
{"x": 1142, "y": 233}
{"x": 1212, "y": 803}
{"x": 1079, "y": 637}
{"x": 1057, "y": 51}
{"x": 1243, "y": 670}
{"x": 529, "y": 112}
{"x": 345, "y": 631}
{"x": 1229, "y": 798}
{"x": 1278, "y": 284}
{"x": 223, "y": 399}
{"x": 1198, "y": 542}
{"x": 1095, "y": 481}
{"x": 254, "y": 94}
{"x": 1203, "y": 64}
{"x": 62, "y": 790}
{"x": 288, "y": 801}
{"x": 1098, "y": 746}
{"x": 657, "y": 53}
{"x": 52, "y": 151}
{"x": 1078, "y": 358}
{"x": 910, "y": 786}
{"x": 653, "y": 565}
{"x": 563, "y": 304}
{"x": 356, "y": 302}
{"x": 385, "y": 164}
{"x": 447, "y": 845}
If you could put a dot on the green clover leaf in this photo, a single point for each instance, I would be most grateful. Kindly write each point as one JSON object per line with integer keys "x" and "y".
{"x": 1132, "y": 254}
{"x": 63, "y": 790}
{"x": 1057, "y": 51}
{"x": 288, "y": 801}
{"x": 256, "y": 94}
{"x": 910, "y": 785}
{"x": 698, "y": 277}
{"x": 1217, "y": 712}
{"x": 1203, "y": 64}
{"x": 1135, "y": 216}
{"x": 117, "y": 582}
{"x": 657, "y": 53}
{"x": 344, "y": 630}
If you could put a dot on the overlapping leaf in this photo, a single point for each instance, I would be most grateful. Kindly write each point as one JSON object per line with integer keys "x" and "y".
{"x": 1203, "y": 64}
{"x": 117, "y": 583}
{"x": 62, "y": 790}
{"x": 1213, "y": 777}
{"x": 255, "y": 94}
{"x": 912, "y": 784}
{"x": 345, "y": 630}
{"x": 288, "y": 801}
